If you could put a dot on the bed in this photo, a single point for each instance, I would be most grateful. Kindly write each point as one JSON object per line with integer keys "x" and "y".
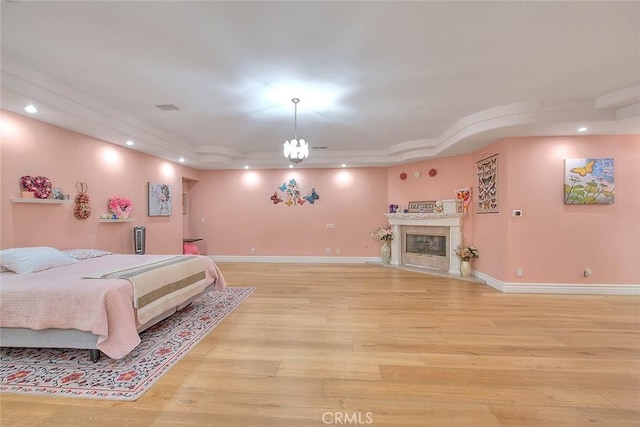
{"x": 100, "y": 303}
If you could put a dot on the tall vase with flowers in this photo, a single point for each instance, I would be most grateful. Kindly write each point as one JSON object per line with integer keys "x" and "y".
{"x": 121, "y": 207}
{"x": 385, "y": 235}
{"x": 465, "y": 254}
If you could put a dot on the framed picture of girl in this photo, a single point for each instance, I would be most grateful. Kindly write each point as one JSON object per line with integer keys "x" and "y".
{"x": 160, "y": 199}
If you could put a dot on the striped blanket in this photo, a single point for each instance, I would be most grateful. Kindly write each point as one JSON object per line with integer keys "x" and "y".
{"x": 161, "y": 285}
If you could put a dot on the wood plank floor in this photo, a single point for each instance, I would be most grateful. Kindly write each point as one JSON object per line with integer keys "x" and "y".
{"x": 320, "y": 345}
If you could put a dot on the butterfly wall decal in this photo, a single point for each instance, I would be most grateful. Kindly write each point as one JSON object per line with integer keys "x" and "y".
{"x": 584, "y": 170}
{"x": 275, "y": 198}
{"x": 289, "y": 194}
{"x": 311, "y": 198}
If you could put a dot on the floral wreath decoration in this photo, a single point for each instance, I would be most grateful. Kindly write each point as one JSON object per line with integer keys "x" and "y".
{"x": 433, "y": 172}
{"x": 403, "y": 176}
{"x": 40, "y": 186}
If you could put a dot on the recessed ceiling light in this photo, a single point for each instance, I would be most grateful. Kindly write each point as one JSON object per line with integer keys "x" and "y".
{"x": 129, "y": 142}
{"x": 181, "y": 159}
{"x": 246, "y": 166}
{"x": 582, "y": 129}
{"x": 344, "y": 166}
{"x": 31, "y": 109}
{"x": 290, "y": 166}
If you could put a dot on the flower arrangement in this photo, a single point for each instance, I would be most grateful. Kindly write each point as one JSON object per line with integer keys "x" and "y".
{"x": 465, "y": 253}
{"x": 120, "y": 206}
{"x": 384, "y": 234}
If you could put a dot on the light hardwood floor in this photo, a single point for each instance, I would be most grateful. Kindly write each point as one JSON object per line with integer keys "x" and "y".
{"x": 320, "y": 345}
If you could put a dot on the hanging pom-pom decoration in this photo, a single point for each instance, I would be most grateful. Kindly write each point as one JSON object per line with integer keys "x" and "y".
{"x": 82, "y": 209}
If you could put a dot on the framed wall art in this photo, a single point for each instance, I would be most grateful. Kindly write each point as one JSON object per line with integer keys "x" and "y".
{"x": 159, "y": 199}
{"x": 589, "y": 181}
{"x": 57, "y": 194}
{"x": 487, "y": 169}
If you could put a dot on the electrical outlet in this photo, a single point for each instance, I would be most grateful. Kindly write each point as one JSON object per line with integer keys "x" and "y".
{"x": 587, "y": 272}
{"x": 327, "y": 250}
{"x": 201, "y": 219}
{"x": 337, "y": 251}
{"x": 253, "y": 250}
{"x": 331, "y": 226}
{"x": 519, "y": 272}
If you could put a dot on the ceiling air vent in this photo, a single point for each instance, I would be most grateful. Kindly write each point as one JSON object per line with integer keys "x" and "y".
{"x": 167, "y": 107}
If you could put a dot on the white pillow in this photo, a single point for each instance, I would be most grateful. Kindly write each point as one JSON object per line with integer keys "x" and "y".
{"x": 33, "y": 259}
{"x": 86, "y": 253}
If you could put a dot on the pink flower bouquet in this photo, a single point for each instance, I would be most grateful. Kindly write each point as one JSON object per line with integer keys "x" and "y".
{"x": 120, "y": 206}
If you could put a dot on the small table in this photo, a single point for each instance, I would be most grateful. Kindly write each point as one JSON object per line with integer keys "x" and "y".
{"x": 189, "y": 247}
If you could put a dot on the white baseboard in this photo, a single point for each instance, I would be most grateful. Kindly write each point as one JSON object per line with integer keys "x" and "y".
{"x": 294, "y": 259}
{"x": 558, "y": 288}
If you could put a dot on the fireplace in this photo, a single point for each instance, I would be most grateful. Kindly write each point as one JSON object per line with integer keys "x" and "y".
{"x": 426, "y": 240}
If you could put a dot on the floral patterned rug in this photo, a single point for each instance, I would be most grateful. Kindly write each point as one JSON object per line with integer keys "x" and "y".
{"x": 70, "y": 372}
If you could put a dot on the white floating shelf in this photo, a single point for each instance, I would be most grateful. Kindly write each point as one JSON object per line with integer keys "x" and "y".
{"x": 34, "y": 200}
{"x": 119, "y": 220}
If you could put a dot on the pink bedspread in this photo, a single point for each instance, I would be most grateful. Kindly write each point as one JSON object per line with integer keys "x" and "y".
{"x": 60, "y": 298}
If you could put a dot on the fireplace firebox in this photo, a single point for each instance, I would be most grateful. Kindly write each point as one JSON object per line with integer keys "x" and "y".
{"x": 426, "y": 245}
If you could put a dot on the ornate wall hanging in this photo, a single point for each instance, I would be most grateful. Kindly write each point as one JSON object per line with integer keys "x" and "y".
{"x": 487, "y": 184}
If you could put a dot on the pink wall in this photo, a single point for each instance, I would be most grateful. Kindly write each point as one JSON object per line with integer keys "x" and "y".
{"x": 31, "y": 147}
{"x": 452, "y": 173}
{"x": 552, "y": 242}
{"x": 239, "y": 214}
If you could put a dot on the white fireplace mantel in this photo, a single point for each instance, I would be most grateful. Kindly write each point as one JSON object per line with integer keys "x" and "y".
{"x": 451, "y": 220}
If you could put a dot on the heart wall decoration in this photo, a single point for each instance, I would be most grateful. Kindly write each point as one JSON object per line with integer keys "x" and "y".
{"x": 40, "y": 186}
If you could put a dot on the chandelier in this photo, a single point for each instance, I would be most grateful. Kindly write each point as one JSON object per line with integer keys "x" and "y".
{"x": 296, "y": 150}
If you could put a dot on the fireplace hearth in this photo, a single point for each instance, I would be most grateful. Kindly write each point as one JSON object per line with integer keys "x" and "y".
{"x": 426, "y": 240}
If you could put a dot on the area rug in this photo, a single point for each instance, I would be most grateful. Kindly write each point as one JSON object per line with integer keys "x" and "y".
{"x": 70, "y": 372}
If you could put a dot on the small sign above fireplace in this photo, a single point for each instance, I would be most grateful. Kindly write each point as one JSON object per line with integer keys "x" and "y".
{"x": 427, "y": 206}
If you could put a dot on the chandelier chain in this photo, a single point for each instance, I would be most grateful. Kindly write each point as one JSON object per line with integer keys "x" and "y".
{"x": 295, "y": 117}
